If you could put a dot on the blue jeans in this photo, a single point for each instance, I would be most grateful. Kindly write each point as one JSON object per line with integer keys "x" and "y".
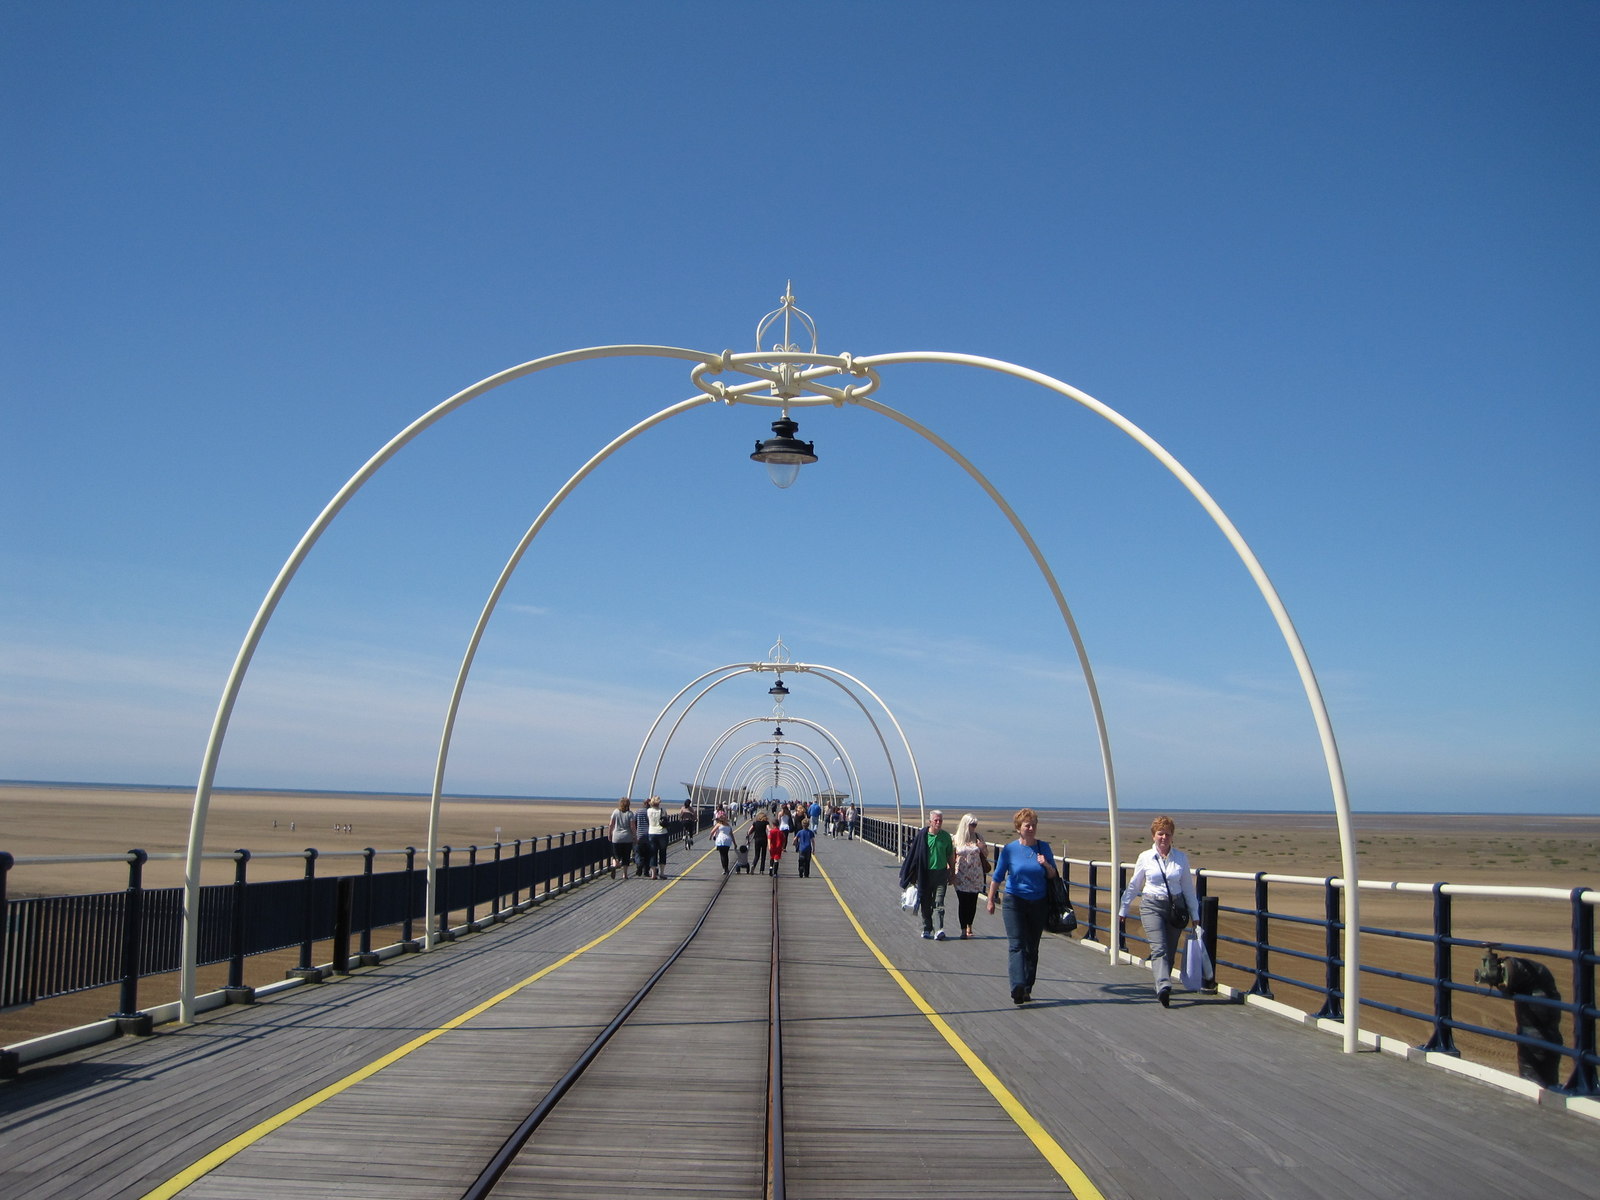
{"x": 1024, "y": 927}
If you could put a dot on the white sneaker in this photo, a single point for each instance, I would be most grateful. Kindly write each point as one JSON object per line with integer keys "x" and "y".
{"x": 939, "y": 937}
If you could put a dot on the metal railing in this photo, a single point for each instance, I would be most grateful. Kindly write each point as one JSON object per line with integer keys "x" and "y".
{"x": 53, "y": 946}
{"x": 1263, "y": 938}
{"x": 57, "y": 945}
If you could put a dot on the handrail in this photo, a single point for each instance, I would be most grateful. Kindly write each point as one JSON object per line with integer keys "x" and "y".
{"x": 1537, "y": 1053}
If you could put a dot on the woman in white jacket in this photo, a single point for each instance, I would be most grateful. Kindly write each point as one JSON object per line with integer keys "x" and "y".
{"x": 1169, "y": 903}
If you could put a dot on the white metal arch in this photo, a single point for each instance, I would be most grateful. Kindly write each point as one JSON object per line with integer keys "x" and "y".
{"x": 1280, "y": 614}
{"x": 767, "y": 760}
{"x": 791, "y": 777}
{"x": 733, "y": 670}
{"x": 833, "y": 742}
{"x": 796, "y": 381}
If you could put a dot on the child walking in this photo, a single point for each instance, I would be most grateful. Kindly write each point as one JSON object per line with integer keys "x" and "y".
{"x": 803, "y": 839}
{"x": 775, "y": 840}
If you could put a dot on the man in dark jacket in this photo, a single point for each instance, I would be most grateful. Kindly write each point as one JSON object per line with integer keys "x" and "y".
{"x": 930, "y": 864}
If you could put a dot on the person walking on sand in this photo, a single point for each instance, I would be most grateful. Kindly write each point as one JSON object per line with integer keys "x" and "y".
{"x": 972, "y": 871}
{"x": 1026, "y": 867}
{"x": 622, "y": 837}
{"x": 930, "y": 863}
{"x": 1169, "y": 901}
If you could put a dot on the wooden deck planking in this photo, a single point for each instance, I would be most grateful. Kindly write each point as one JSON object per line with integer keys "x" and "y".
{"x": 877, "y": 1105}
{"x": 455, "y": 1100}
{"x": 676, "y": 1103}
{"x": 1235, "y": 1101}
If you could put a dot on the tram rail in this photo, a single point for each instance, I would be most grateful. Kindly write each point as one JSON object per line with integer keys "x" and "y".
{"x": 603, "y": 1108}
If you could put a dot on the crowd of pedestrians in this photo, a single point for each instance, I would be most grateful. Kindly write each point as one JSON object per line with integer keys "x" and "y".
{"x": 639, "y": 836}
{"x": 1017, "y": 880}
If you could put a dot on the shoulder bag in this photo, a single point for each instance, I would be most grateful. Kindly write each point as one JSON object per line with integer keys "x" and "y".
{"x": 1059, "y": 916}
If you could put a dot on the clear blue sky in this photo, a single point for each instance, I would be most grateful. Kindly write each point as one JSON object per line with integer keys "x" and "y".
{"x": 1340, "y": 259}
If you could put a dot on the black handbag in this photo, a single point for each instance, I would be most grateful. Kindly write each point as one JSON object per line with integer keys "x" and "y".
{"x": 1177, "y": 902}
{"x": 1059, "y": 916}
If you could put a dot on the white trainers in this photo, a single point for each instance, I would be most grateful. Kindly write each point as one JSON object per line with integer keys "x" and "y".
{"x": 939, "y": 937}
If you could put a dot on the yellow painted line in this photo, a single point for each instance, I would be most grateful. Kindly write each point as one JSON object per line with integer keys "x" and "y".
{"x": 1058, "y": 1158}
{"x": 255, "y": 1133}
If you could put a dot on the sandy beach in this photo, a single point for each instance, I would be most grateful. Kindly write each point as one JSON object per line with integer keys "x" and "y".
{"x": 55, "y": 820}
{"x": 37, "y": 821}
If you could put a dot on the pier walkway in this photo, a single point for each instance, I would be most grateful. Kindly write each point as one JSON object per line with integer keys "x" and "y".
{"x": 907, "y": 1070}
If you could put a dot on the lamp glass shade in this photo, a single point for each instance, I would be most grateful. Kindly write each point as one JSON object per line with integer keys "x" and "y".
{"x": 783, "y": 454}
{"x": 783, "y": 474}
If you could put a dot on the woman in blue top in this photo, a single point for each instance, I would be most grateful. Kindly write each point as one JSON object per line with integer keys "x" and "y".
{"x": 1025, "y": 866}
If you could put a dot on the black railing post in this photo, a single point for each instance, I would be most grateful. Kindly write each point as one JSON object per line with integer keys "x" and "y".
{"x": 308, "y": 928}
{"x": 128, "y": 1018}
{"x": 472, "y": 889}
{"x": 1443, "y": 1039}
{"x": 368, "y": 958}
{"x": 546, "y": 864}
{"x": 10, "y": 1060}
{"x": 1262, "y": 985}
{"x": 7, "y": 861}
{"x": 494, "y": 909}
{"x": 1091, "y": 931}
{"x": 236, "y": 992}
{"x": 1120, "y": 874}
{"x": 442, "y": 886}
{"x": 561, "y": 864}
{"x": 1583, "y": 1081}
{"x": 1332, "y": 922}
{"x": 516, "y": 873}
{"x": 1210, "y": 910}
{"x": 344, "y": 895}
{"x": 408, "y": 939}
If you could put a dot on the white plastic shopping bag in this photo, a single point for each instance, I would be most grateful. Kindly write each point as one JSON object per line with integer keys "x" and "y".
{"x": 908, "y": 898}
{"x": 1196, "y": 964}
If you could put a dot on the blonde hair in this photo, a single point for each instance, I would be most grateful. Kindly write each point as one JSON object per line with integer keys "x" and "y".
{"x": 967, "y": 832}
{"x": 622, "y": 805}
{"x": 653, "y": 802}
